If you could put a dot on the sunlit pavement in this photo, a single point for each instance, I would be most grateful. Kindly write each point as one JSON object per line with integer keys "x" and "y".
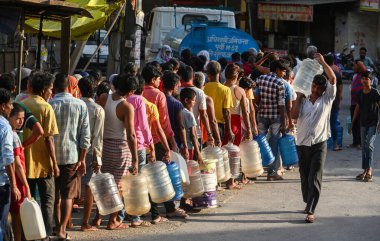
{"x": 348, "y": 209}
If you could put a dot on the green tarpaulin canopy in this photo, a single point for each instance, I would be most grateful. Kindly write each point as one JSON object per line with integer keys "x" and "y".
{"x": 81, "y": 27}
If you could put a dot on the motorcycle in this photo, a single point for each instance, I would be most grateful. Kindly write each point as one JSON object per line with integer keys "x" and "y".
{"x": 345, "y": 62}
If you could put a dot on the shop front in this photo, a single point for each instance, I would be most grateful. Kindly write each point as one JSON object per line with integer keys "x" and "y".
{"x": 290, "y": 26}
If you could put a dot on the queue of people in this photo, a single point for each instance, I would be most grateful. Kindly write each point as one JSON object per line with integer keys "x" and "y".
{"x": 62, "y": 128}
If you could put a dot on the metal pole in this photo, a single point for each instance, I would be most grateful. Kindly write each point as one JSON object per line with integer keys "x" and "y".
{"x": 105, "y": 37}
{"x": 65, "y": 45}
{"x": 175, "y": 15}
{"x": 249, "y": 5}
{"x": 39, "y": 44}
{"x": 21, "y": 52}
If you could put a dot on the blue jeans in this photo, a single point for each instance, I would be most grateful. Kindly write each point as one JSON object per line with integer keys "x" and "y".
{"x": 368, "y": 136}
{"x": 5, "y": 202}
{"x": 273, "y": 125}
{"x": 334, "y": 123}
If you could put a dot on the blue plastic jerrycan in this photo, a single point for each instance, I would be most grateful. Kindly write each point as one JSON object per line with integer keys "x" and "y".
{"x": 175, "y": 176}
{"x": 288, "y": 150}
{"x": 265, "y": 150}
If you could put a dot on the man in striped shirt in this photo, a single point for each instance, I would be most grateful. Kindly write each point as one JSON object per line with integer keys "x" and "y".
{"x": 71, "y": 148}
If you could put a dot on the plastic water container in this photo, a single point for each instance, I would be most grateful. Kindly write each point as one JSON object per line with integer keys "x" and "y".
{"x": 195, "y": 188}
{"x": 251, "y": 163}
{"x": 233, "y": 150}
{"x": 234, "y": 159}
{"x": 220, "y": 171}
{"x": 212, "y": 153}
{"x": 209, "y": 166}
{"x": 209, "y": 182}
{"x": 305, "y": 75}
{"x": 193, "y": 168}
{"x": 235, "y": 166}
{"x": 175, "y": 177}
{"x": 159, "y": 183}
{"x": 265, "y": 150}
{"x": 288, "y": 150}
{"x": 227, "y": 169}
{"x": 207, "y": 200}
{"x": 31, "y": 220}
{"x": 178, "y": 159}
{"x": 339, "y": 132}
{"x": 348, "y": 123}
{"x": 135, "y": 194}
{"x": 215, "y": 153}
{"x": 106, "y": 193}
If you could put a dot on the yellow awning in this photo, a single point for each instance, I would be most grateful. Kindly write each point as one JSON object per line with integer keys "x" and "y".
{"x": 81, "y": 27}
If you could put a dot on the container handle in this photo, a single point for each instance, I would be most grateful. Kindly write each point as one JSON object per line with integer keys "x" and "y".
{"x": 94, "y": 174}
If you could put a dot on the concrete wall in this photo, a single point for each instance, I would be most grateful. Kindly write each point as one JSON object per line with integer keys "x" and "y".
{"x": 361, "y": 28}
{"x": 341, "y": 31}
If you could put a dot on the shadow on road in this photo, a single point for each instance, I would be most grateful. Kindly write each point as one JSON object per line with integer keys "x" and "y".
{"x": 325, "y": 229}
{"x": 243, "y": 213}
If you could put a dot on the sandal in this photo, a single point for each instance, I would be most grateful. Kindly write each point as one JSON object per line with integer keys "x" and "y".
{"x": 310, "y": 218}
{"x": 360, "y": 177}
{"x": 234, "y": 186}
{"x": 159, "y": 220}
{"x": 368, "y": 178}
{"x": 247, "y": 181}
{"x": 337, "y": 148}
{"x": 140, "y": 224}
{"x": 178, "y": 213}
{"x": 118, "y": 227}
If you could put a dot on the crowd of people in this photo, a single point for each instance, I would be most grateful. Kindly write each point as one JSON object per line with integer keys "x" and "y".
{"x": 61, "y": 129}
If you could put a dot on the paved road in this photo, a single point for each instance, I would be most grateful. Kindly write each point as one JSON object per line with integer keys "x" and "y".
{"x": 348, "y": 209}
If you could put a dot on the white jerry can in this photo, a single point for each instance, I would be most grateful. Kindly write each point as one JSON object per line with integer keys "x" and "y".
{"x": 31, "y": 220}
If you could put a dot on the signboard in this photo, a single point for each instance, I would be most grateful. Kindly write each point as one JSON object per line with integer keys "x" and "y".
{"x": 287, "y": 12}
{"x": 369, "y": 5}
{"x": 218, "y": 41}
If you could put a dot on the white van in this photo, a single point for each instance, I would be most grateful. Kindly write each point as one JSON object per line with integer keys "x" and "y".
{"x": 163, "y": 19}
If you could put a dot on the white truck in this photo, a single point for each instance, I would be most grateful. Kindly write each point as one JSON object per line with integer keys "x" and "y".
{"x": 163, "y": 19}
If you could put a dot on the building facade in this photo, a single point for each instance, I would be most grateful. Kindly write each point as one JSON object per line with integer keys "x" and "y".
{"x": 331, "y": 25}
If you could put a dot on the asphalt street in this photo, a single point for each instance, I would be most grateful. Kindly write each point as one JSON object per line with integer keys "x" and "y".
{"x": 348, "y": 209}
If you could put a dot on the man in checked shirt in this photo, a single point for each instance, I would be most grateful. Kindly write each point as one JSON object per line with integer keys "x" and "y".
{"x": 271, "y": 116}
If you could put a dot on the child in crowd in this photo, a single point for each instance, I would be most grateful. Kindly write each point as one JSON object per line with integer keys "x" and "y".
{"x": 16, "y": 120}
{"x": 171, "y": 82}
{"x": 188, "y": 100}
{"x": 367, "y": 107}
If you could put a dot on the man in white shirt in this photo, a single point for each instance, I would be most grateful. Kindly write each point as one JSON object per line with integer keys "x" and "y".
{"x": 313, "y": 131}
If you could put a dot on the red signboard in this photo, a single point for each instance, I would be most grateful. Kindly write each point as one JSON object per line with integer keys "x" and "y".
{"x": 287, "y": 12}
